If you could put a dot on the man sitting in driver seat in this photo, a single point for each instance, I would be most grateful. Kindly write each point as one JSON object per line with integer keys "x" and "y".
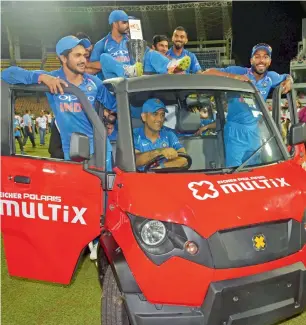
{"x": 153, "y": 139}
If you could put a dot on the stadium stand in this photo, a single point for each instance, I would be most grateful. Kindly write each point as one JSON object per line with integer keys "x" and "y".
{"x": 51, "y": 62}
{"x": 33, "y": 104}
{"x": 5, "y": 64}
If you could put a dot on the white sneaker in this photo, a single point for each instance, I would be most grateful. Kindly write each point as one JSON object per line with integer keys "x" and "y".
{"x": 135, "y": 70}
{"x": 93, "y": 250}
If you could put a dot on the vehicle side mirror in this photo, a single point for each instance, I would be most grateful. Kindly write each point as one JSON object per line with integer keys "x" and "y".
{"x": 297, "y": 134}
{"x": 79, "y": 147}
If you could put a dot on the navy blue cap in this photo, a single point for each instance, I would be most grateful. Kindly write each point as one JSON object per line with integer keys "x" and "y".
{"x": 117, "y": 15}
{"x": 69, "y": 42}
{"x": 262, "y": 46}
{"x": 152, "y": 105}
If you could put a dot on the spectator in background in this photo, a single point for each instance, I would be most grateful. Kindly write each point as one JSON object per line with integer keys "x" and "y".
{"x": 177, "y": 51}
{"x": 41, "y": 123}
{"x": 49, "y": 119}
{"x": 301, "y": 112}
{"x": 28, "y": 129}
{"x": 17, "y": 134}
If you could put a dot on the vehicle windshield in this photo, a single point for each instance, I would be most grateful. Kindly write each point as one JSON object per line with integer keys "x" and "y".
{"x": 218, "y": 130}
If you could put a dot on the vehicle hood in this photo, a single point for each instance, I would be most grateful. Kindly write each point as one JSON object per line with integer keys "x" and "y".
{"x": 208, "y": 203}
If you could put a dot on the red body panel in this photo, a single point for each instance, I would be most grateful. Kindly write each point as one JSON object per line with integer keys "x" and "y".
{"x": 299, "y": 155}
{"x": 45, "y": 248}
{"x": 167, "y": 197}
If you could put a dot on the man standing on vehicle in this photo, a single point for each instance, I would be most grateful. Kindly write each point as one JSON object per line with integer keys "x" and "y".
{"x": 68, "y": 111}
{"x": 153, "y": 140}
{"x": 28, "y": 129}
{"x": 258, "y": 73}
{"x": 177, "y": 51}
{"x": 114, "y": 44}
{"x": 241, "y": 132}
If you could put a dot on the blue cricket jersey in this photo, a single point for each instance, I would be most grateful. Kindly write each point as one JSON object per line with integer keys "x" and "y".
{"x": 67, "y": 109}
{"x": 155, "y": 62}
{"x": 167, "y": 139}
{"x": 270, "y": 80}
{"x": 108, "y": 45}
{"x": 194, "y": 65}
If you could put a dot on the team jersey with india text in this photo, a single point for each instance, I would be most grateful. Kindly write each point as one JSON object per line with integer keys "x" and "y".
{"x": 67, "y": 109}
{"x": 270, "y": 80}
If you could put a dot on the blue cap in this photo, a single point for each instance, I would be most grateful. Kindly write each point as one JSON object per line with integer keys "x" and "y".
{"x": 69, "y": 42}
{"x": 262, "y": 46}
{"x": 117, "y": 15}
{"x": 152, "y": 105}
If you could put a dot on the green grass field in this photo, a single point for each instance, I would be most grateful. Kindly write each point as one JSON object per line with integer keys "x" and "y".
{"x": 27, "y": 302}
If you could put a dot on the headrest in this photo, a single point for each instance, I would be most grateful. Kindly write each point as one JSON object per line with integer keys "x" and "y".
{"x": 137, "y": 123}
{"x": 188, "y": 121}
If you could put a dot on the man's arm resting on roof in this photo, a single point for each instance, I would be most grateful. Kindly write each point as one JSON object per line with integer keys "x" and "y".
{"x": 230, "y": 72}
{"x": 15, "y": 75}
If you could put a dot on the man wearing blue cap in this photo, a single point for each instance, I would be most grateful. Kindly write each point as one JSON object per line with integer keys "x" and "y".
{"x": 67, "y": 109}
{"x": 153, "y": 140}
{"x": 258, "y": 74}
{"x": 114, "y": 44}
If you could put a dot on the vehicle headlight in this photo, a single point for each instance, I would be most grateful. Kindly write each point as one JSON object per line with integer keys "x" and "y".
{"x": 153, "y": 232}
{"x": 161, "y": 240}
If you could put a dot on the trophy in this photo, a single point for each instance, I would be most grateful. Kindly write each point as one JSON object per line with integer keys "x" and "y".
{"x": 136, "y": 48}
{"x": 136, "y": 45}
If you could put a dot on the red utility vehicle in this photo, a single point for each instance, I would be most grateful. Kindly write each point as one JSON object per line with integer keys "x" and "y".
{"x": 206, "y": 244}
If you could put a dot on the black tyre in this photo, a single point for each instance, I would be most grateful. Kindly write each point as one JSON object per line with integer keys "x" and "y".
{"x": 112, "y": 303}
{"x": 102, "y": 264}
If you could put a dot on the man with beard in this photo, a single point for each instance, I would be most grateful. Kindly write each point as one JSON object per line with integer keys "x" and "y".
{"x": 258, "y": 74}
{"x": 114, "y": 44}
{"x": 241, "y": 132}
{"x": 177, "y": 51}
{"x": 67, "y": 109}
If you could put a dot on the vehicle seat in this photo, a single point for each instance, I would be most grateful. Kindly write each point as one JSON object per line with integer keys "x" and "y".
{"x": 207, "y": 151}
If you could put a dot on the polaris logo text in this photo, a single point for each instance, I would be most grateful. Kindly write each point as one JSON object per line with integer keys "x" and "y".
{"x": 203, "y": 190}
{"x": 36, "y": 209}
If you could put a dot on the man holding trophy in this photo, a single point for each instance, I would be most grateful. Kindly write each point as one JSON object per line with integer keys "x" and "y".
{"x": 118, "y": 56}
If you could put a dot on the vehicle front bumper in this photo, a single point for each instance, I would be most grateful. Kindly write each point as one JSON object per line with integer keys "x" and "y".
{"x": 263, "y": 299}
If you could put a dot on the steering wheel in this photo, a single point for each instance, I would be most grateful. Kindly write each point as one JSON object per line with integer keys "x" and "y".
{"x": 149, "y": 165}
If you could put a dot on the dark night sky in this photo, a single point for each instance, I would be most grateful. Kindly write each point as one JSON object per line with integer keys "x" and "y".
{"x": 276, "y": 23}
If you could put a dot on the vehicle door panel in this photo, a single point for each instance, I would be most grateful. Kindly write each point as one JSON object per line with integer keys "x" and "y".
{"x": 44, "y": 233}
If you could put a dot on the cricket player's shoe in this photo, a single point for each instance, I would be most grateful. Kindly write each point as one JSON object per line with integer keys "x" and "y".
{"x": 177, "y": 66}
{"x": 135, "y": 70}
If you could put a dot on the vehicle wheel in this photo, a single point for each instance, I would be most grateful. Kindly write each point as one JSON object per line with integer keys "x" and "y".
{"x": 102, "y": 264}
{"x": 112, "y": 304}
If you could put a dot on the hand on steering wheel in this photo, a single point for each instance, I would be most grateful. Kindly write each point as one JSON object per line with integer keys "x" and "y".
{"x": 149, "y": 165}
